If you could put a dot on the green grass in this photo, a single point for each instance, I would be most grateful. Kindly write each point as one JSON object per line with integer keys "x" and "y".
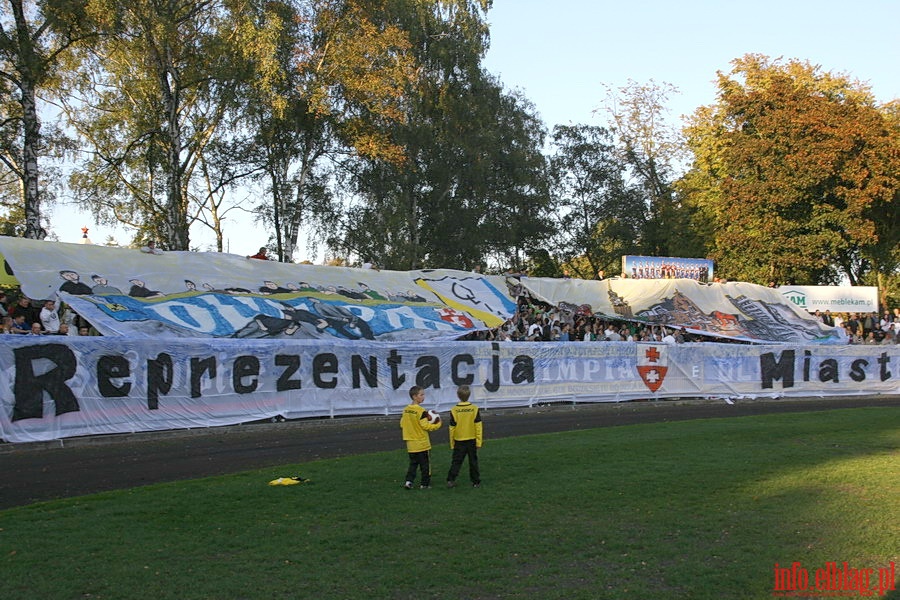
{"x": 697, "y": 509}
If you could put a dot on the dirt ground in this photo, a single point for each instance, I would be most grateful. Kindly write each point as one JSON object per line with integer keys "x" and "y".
{"x": 64, "y": 468}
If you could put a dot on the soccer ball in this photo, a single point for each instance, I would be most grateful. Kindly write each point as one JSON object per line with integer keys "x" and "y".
{"x": 433, "y": 416}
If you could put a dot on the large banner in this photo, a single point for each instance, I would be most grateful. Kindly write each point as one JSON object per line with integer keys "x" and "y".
{"x": 741, "y": 311}
{"x": 836, "y": 298}
{"x": 124, "y": 292}
{"x": 62, "y": 387}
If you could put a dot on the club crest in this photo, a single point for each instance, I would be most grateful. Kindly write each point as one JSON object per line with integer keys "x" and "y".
{"x": 652, "y": 364}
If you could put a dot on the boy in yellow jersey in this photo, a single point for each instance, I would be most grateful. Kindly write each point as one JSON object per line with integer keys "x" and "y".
{"x": 415, "y": 426}
{"x": 466, "y": 436}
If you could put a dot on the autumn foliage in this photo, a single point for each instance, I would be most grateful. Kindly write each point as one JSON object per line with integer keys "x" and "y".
{"x": 796, "y": 170}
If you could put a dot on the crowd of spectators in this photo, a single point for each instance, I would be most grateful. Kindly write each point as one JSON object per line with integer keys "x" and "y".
{"x": 865, "y": 328}
{"x": 535, "y": 321}
{"x": 25, "y": 316}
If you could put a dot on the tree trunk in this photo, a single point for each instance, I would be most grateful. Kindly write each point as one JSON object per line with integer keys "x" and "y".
{"x": 178, "y": 237}
{"x": 29, "y": 68}
{"x": 31, "y": 190}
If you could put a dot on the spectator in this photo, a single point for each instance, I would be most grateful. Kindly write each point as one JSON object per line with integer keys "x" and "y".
{"x": 19, "y": 325}
{"x": 151, "y": 248}
{"x": 50, "y": 316}
{"x": 36, "y": 329}
{"x": 261, "y": 255}
{"x": 24, "y": 307}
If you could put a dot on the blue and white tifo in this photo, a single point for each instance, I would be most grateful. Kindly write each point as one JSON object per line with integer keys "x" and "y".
{"x": 205, "y": 339}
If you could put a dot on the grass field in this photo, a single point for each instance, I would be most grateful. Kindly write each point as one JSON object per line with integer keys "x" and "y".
{"x": 695, "y": 510}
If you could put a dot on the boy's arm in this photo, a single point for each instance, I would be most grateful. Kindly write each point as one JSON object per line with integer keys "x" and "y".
{"x": 452, "y": 427}
{"x": 479, "y": 429}
{"x": 430, "y": 426}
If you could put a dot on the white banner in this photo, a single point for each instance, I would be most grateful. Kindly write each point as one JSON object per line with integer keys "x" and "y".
{"x": 742, "y": 311}
{"x": 61, "y": 387}
{"x": 124, "y": 292}
{"x": 836, "y": 298}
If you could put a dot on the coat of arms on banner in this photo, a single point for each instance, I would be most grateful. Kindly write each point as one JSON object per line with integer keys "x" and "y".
{"x": 652, "y": 364}
{"x": 457, "y": 318}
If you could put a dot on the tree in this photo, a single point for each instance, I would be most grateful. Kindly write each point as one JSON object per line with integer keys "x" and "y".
{"x": 154, "y": 90}
{"x": 652, "y": 149}
{"x": 472, "y": 179}
{"x": 327, "y": 77}
{"x": 794, "y": 167}
{"x": 474, "y": 185}
{"x": 34, "y": 37}
{"x": 600, "y": 218}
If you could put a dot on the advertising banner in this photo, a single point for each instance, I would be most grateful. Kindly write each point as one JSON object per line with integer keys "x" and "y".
{"x": 667, "y": 267}
{"x": 837, "y": 299}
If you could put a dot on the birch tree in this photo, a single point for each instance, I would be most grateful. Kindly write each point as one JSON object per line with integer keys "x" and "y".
{"x": 34, "y": 38}
{"x": 152, "y": 93}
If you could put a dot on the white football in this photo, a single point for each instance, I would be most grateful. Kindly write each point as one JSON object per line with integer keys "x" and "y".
{"x": 433, "y": 416}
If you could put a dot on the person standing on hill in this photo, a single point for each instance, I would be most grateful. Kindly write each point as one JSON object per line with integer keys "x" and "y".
{"x": 466, "y": 436}
{"x": 415, "y": 425}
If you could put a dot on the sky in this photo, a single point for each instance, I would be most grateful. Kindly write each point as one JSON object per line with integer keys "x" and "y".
{"x": 561, "y": 54}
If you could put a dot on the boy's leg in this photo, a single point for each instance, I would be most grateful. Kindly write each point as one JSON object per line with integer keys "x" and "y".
{"x": 411, "y": 469}
{"x": 426, "y": 468}
{"x": 474, "y": 471}
{"x": 459, "y": 453}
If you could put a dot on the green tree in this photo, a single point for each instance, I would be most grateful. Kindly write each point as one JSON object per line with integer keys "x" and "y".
{"x": 795, "y": 168}
{"x": 472, "y": 180}
{"x": 153, "y": 92}
{"x": 653, "y": 149}
{"x": 474, "y": 186}
{"x": 328, "y": 76}
{"x": 34, "y": 38}
{"x": 600, "y": 218}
